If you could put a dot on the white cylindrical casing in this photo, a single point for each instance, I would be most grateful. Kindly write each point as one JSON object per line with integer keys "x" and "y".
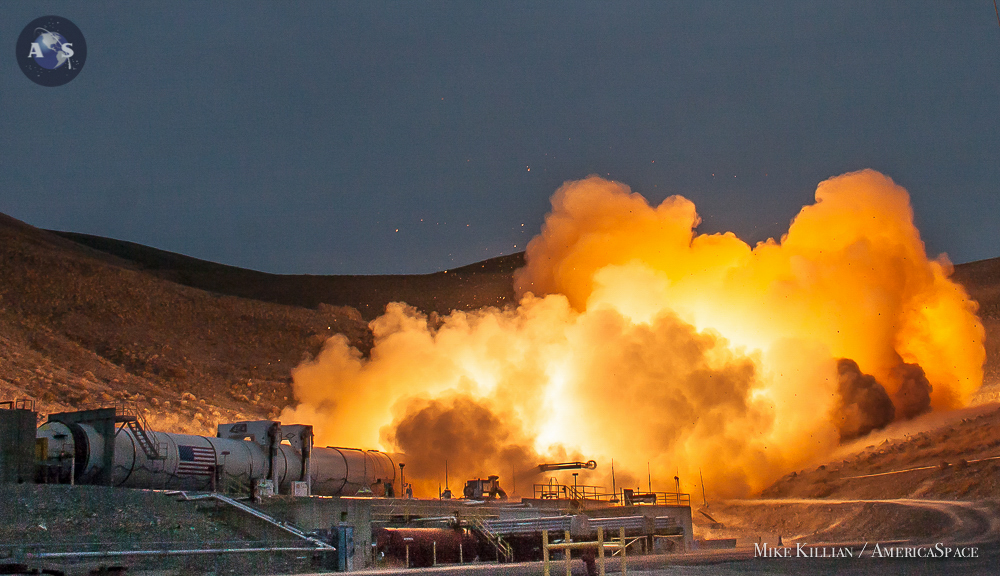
{"x": 345, "y": 471}
{"x": 188, "y": 462}
{"x": 81, "y": 441}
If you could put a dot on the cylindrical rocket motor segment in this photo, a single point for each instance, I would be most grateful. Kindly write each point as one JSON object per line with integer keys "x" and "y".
{"x": 163, "y": 460}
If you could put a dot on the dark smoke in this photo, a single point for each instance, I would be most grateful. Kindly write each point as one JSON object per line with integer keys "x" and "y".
{"x": 467, "y": 433}
{"x": 864, "y": 403}
{"x": 913, "y": 394}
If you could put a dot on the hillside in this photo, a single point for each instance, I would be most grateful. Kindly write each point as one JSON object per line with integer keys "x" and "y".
{"x": 79, "y": 326}
{"x": 87, "y": 320}
{"x": 487, "y": 283}
{"x": 982, "y": 280}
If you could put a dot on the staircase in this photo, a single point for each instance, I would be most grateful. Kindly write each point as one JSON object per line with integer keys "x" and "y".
{"x": 132, "y": 417}
{"x": 256, "y": 514}
{"x": 504, "y": 551}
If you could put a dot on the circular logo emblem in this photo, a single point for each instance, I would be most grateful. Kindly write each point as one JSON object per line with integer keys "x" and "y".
{"x": 51, "y": 50}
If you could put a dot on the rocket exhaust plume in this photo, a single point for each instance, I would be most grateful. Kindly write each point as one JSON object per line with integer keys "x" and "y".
{"x": 637, "y": 338}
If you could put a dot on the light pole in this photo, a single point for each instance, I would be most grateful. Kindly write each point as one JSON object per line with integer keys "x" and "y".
{"x": 402, "y": 482}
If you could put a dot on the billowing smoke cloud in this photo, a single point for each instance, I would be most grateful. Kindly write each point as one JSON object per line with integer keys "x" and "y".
{"x": 640, "y": 340}
{"x": 466, "y": 434}
{"x": 913, "y": 390}
{"x": 864, "y": 404}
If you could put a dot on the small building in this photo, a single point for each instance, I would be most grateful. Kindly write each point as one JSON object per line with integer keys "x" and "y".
{"x": 17, "y": 441}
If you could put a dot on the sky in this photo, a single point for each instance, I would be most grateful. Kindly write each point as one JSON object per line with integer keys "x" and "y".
{"x": 409, "y": 137}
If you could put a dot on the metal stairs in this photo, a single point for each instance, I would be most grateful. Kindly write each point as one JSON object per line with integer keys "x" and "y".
{"x": 133, "y": 418}
{"x": 256, "y": 514}
{"x": 504, "y": 551}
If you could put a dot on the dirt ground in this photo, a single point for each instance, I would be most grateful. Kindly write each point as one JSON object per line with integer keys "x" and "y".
{"x": 59, "y": 518}
{"x": 937, "y": 456}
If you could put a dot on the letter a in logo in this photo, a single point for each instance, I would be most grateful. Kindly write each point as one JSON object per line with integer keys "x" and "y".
{"x": 51, "y": 51}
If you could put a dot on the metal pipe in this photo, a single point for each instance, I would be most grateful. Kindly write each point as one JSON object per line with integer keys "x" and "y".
{"x": 588, "y": 465}
{"x": 578, "y": 545}
{"x": 119, "y": 553}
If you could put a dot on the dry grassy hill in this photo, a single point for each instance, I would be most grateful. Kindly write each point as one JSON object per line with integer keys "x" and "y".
{"x": 87, "y": 320}
{"x": 982, "y": 280}
{"x": 79, "y": 326}
{"x": 487, "y": 283}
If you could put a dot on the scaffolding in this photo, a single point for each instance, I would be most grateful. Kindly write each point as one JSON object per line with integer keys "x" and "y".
{"x": 625, "y": 496}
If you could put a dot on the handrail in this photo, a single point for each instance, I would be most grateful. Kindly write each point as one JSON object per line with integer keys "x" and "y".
{"x": 136, "y": 422}
{"x": 18, "y": 404}
{"x": 503, "y": 548}
{"x": 553, "y": 491}
{"x": 256, "y": 514}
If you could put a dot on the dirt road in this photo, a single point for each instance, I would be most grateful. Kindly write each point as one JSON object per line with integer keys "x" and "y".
{"x": 969, "y": 522}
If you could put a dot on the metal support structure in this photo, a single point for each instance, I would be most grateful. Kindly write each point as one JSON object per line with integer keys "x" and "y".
{"x": 568, "y": 539}
{"x": 600, "y": 551}
{"x": 103, "y": 422}
{"x": 504, "y": 550}
{"x": 260, "y": 515}
{"x": 588, "y": 465}
{"x": 568, "y": 546}
{"x": 621, "y": 535}
{"x": 130, "y": 415}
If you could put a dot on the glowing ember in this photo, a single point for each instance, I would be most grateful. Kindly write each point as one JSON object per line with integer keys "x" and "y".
{"x": 638, "y": 339}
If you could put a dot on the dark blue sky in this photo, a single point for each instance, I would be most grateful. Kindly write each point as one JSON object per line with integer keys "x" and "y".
{"x": 298, "y": 137}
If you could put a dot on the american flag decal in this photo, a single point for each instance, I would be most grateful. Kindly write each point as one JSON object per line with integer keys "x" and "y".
{"x": 195, "y": 461}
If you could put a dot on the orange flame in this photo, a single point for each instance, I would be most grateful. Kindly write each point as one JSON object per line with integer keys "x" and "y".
{"x": 638, "y": 339}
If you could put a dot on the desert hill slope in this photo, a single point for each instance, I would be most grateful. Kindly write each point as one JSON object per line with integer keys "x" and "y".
{"x": 982, "y": 280}
{"x": 86, "y": 320}
{"x": 79, "y": 326}
{"x": 487, "y": 283}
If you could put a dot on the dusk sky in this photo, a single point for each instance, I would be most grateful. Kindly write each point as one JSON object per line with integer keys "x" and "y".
{"x": 410, "y": 137}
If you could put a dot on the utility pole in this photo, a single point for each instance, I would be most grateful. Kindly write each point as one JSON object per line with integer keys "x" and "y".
{"x": 402, "y": 482}
{"x": 704, "y": 501}
{"x": 614, "y": 487}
